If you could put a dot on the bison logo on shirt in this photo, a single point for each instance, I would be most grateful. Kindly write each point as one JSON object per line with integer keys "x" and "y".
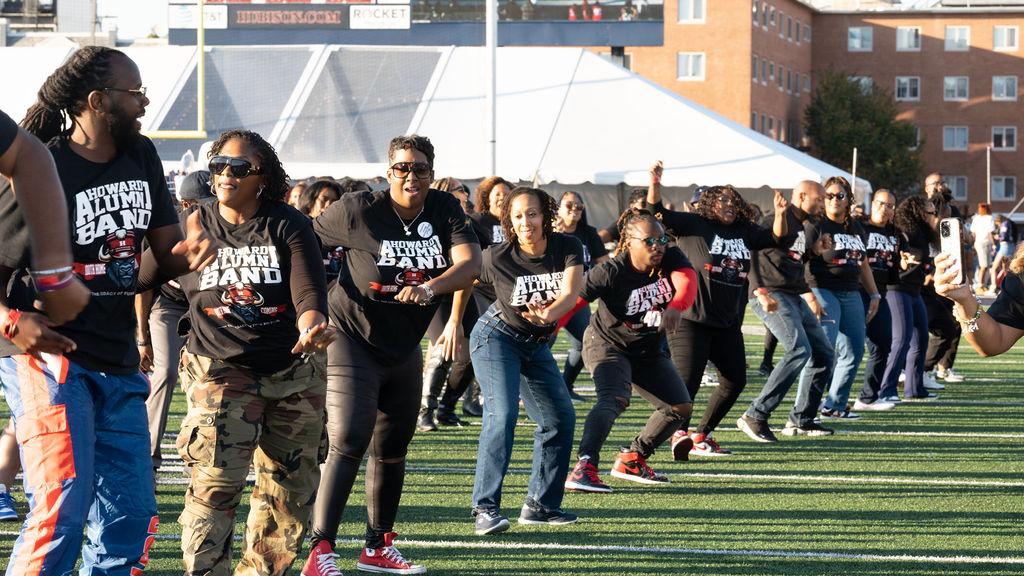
{"x": 118, "y": 252}
{"x": 243, "y": 301}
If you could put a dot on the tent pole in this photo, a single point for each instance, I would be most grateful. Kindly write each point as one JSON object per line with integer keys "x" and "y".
{"x": 492, "y": 86}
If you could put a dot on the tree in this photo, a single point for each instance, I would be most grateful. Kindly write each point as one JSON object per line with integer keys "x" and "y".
{"x": 844, "y": 114}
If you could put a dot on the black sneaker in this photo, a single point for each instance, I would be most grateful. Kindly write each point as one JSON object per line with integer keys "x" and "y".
{"x": 758, "y": 430}
{"x": 575, "y": 397}
{"x": 426, "y": 422}
{"x": 811, "y": 429}
{"x": 446, "y": 418}
{"x": 489, "y": 521}
{"x": 534, "y": 513}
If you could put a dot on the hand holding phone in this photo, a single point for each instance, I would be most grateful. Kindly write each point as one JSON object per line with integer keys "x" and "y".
{"x": 950, "y": 232}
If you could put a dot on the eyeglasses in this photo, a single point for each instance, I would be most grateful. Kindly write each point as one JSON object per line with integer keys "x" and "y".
{"x": 403, "y": 169}
{"x": 839, "y": 196}
{"x": 240, "y": 167}
{"x": 728, "y": 201}
{"x": 651, "y": 241}
{"x": 889, "y": 205}
{"x": 137, "y": 92}
{"x": 573, "y": 207}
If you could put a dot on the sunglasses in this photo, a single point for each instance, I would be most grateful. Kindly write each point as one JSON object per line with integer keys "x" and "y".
{"x": 885, "y": 204}
{"x": 574, "y": 207}
{"x": 651, "y": 241}
{"x": 240, "y": 167}
{"x": 418, "y": 169}
{"x": 840, "y": 196}
{"x": 137, "y": 92}
{"x": 728, "y": 201}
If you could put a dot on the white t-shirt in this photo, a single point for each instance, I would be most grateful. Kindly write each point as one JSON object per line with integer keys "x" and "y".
{"x": 982, "y": 226}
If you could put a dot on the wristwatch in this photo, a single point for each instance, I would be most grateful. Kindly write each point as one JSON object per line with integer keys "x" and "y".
{"x": 429, "y": 292}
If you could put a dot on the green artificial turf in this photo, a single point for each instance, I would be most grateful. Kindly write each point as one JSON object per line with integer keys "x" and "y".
{"x": 878, "y": 493}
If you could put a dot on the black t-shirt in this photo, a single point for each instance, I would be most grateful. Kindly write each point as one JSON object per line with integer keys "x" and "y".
{"x": 518, "y": 278}
{"x": 626, "y": 297}
{"x": 8, "y": 132}
{"x": 1008, "y": 308}
{"x": 882, "y": 247}
{"x": 380, "y": 259}
{"x": 268, "y": 272}
{"x": 837, "y": 269}
{"x": 782, "y": 267}
{"x": 593, "y": 248}
{"x": 111, "y": 206}
{"x": 721, "y": 255}
{"x": 911, "y": 279}
{"x": 489, "y": 231}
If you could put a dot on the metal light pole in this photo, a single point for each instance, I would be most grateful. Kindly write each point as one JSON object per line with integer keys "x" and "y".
{"x": 492, "y": 86}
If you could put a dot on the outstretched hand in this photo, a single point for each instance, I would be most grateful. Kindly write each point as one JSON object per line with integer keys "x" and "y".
{"x": 198, "y": 247}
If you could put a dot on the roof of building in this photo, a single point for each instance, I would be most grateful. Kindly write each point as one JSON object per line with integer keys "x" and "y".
{"x": 904, "y": 6}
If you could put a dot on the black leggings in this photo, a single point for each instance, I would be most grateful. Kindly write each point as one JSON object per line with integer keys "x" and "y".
{"x": 458, "y": 375}
{"x": 614, "y": 372}
{"x": 370, "y": 404}
{"x": 944, "y": 330}
{"x": 692, "y": 345}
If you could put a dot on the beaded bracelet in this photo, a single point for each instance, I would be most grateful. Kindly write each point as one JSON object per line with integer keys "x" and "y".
{"x": 51, "y": 272}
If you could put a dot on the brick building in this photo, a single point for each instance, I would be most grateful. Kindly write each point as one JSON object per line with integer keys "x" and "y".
{"x": 954, "y": 71}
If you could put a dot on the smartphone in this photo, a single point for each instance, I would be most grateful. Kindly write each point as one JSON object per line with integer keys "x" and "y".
{"x": 950, "y": 242}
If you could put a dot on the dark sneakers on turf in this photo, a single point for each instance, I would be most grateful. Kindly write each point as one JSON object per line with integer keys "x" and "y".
{"x": 758, "y": 430}
{"x": 489, "y": 521}
{"x": 681, "y": 445}
{"x": 633, "y": 467}
{"x": 534, "y": 513}
{"x": 810, "y": 429}
{"x": 584, "y": 478}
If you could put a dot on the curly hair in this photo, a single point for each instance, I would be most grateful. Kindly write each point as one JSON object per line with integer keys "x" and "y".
{"x": 848, "y": 190}
{"x": 582, "y": 224}
{"x": 412, "y": 142}
{"x": 483, "y": 191}
{"x": 63, "y": 95}
{"x": 312, "y": 192}
{"x": 912, "y": 219}
{"x": 275, "y": 179}
{"x": 627, "y": 220}
{"x": 706, "y": 206}
{"x": 548, "y": 209}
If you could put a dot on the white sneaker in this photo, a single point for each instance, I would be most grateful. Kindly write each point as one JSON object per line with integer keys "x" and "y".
{"x": 710, "y": 378}
{"x": 877, "y": 406}
{"x": 903, "y": 377}
{"x": 931, "y": 383}
{"x": 948, "y": 375}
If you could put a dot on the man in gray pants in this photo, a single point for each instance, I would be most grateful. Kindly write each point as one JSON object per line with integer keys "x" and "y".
{"x": 160, "y": 312}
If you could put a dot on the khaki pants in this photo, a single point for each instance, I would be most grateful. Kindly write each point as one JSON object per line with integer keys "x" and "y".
{"x": 235, "y": 419}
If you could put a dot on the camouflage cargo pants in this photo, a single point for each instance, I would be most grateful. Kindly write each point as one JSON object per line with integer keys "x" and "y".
{"x": 234, "y": 419}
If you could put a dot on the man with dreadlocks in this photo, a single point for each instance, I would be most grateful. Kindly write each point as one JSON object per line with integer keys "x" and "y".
{"x": 719, "y": 237}
{"x": 641, "y": 291}
{"x": 79, "y": 410}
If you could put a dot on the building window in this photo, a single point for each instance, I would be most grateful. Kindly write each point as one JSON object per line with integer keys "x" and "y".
{"x": 1004, "y": 187}
{"x": 771, "y": 127}
{"x": 771, "y": 71}
{"x": 754, "y": 75}
{"x": 754, "y": 12}
{"x": 917, "y": 138}
{"x": 955, "y": 88}
{"x": 958, "y": 186}
{"x": 789, "y": 29}
{"x": 1004, "y": 138}
{"x": 866, "y": 83}
{"x": 1004, "y": 87}
{"x": 764, "y": 72}
{"x": 782, "y": 29}
{"x": 807, "y": 83}
{"x": 771, "y": 15}
{"x": 796, "y": 31}
{"x": 908, "y": 88}
{"x": 764, "y": 123}
{"x": 779, "y": 78}
{"x": 764, "y": 16}
{"x": 627, "y": 59}
{"x": 1004, "y": 38}
{"x": 954, "y": 138}
{"x": 908, "y": 39}
{"x": 958, "y": 38}
{"x": 807, "y": 33}
{"x": 691, "y": 11}
{"x": 859, "y": 38}
{"x": 690, "y": 66}
{"x": 753, "y": 120}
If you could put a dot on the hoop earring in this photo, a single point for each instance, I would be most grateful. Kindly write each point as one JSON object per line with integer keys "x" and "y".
{"x": 260, "y": 193}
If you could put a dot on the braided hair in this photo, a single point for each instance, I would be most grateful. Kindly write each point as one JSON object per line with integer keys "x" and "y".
{"x": 628, "y": 220}
{"x": 548, "y": 209}
{"x": 706, "y": 206}
{"x": 275, "y": 179}
{"x": 64, "y": 93}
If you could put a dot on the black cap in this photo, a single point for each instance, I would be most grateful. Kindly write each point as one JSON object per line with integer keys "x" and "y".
{"x": 195, "y": 186}
{"x": 697, "y": 193}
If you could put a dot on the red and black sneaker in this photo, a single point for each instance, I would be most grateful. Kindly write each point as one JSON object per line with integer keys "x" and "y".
{"x": 681, "y": 445}
{"x": 387, "y": 559}
{"x": 584, "y": 478}
{"x": 633, "y": 467}
{"x": 705, "y": 445}
{"x": 322, "y": 561}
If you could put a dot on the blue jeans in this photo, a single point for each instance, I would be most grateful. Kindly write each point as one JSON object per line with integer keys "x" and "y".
{"x": 909, "y": 344}
{"x": 805, "y": 343}
{"x": 500, "y": 355}
{"x": 845, "y": 328}
{"x": 574, "y": 331}
{"x": 879, "y": 343}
